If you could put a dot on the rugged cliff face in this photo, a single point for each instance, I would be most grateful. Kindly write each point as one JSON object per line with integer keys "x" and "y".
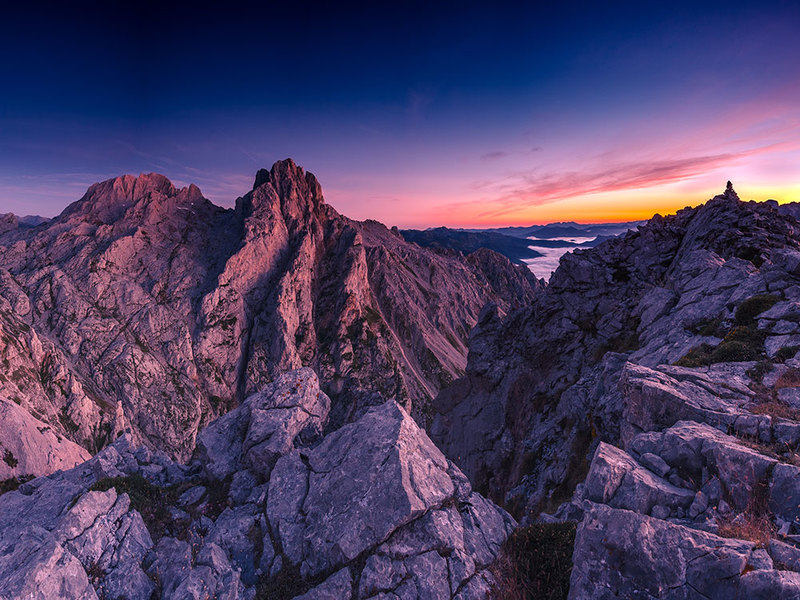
{"x": 652, "y": 393}
{"x": 148, "y": 308}
{"x": 541, "y": 384}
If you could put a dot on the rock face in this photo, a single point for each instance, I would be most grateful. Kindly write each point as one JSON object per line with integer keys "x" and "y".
{"x": 702, "y": 455}
{"x": 650, "y": 393}
{"x": 371, "y": 510}
{"x": 58, "y": 540}
{"x": 146, "y": 308}
{"x": 541, "y": 387}
{"x": 645, "y": 557}
{"x": 30, "y": 447}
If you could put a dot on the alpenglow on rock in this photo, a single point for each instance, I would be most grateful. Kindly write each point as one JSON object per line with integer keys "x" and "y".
{"x": 30, "y": 447}
{"x": 146, "y": 308}
{"x": 370, "y": 510}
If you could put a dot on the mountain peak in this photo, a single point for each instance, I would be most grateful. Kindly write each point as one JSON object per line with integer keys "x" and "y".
{"x": 285, "y": 171}
{"x": 107, "y": 201}
{"x": 287, "y": 185}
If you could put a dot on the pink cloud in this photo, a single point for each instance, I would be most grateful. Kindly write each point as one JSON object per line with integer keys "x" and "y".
{"x": 527, "y": 189}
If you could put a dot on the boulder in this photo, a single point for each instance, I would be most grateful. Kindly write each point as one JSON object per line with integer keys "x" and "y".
{"x": 267, "y": 426}
{"x": 622, "y": 554}
{"x": 383, "y": 460}
{"x": 616, "y": 479}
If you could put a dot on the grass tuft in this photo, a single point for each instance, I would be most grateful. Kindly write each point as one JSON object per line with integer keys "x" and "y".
{"x": 788, "y": 379}
{"x": 751, "y": 527}
{"x": 12, "y": 484}
{"x": 752, "y": 307}
{"x": 535, "y": 563}
{"x": 777, "y": 410}
{"x": 151, "y": 501}
{"x": 741, "y": 344}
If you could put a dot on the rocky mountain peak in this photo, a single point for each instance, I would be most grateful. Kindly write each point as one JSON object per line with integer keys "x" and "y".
{"x": 186, "y": 308}
{"x": 286, "y": 189}
{"x": 108, "y": 201}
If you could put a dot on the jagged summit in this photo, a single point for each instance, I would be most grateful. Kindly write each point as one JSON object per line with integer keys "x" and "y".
{"x": 283, "y": 171}
{"x": 285, "y": 185}
{"x": 153, "y": 297}
{"x": 285, "y": 188}
{"x": 108, "y": 201}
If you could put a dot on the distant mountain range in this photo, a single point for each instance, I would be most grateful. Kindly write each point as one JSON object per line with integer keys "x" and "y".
{"x": 514, "y": 248}
{"x": 515, "y": 243}
{"x": 565, "y": 229}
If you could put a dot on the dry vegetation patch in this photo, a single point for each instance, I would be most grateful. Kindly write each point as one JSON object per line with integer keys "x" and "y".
{"x": 535, "y": 563}
{"x": 788, "y": 379}
{"x": 777, "y": 410}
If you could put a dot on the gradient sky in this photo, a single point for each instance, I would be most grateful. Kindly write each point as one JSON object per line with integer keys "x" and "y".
{"x": 462, "y": 115}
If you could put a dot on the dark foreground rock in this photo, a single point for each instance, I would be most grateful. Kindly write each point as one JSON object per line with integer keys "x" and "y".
{"x": 651, "y": 393}
{"x": 712, "y": 285}
{"x": 702, "y": 499}
{"x": 622, "y": 554}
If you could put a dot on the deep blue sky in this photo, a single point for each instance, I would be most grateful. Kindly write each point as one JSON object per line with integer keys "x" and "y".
{"x": 458, "y": 114}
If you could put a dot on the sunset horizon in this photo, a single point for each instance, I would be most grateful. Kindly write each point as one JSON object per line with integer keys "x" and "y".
{"x": 518, "y": 115}
{"x": 549, "y": 213}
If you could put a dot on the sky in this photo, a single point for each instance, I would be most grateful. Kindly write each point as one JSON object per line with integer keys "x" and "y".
{"x": 463, "y": 114}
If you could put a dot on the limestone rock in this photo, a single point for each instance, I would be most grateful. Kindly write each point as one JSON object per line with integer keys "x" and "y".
{"x": 620, "y": 553}
{"x": 616, "y": 479}
{"x": 548, "y": 375}
{"x": 382, "y": 460}
{"x": 30, "y": 447}
{"x": 146, "y": 308}
{"x": 265, "y": 427}
{"x": 374, "y": 502}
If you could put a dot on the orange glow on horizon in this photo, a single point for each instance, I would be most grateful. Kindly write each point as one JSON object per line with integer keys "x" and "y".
{"x": 632, "y": 205}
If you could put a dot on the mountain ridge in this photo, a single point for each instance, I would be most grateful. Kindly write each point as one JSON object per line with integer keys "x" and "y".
{"x": 150, "y": 304}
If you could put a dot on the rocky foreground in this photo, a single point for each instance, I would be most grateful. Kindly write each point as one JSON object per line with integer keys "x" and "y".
{"x": 269, "y": 507}
{"x": 683, "y": 509}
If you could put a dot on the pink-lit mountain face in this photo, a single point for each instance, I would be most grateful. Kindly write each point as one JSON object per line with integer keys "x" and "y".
{"x": 639, "y": 413}
{"x": 146, "y": 307}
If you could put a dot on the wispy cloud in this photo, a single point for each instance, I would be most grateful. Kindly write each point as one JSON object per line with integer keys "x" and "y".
{"x": 523, "y": 190}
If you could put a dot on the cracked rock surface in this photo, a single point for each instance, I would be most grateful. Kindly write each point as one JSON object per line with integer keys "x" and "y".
{"x": 654, "y": 385}
{"x": 269, "y": 507}
{"x": 542, "y": 383}
{"x": 688, "y": 511}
